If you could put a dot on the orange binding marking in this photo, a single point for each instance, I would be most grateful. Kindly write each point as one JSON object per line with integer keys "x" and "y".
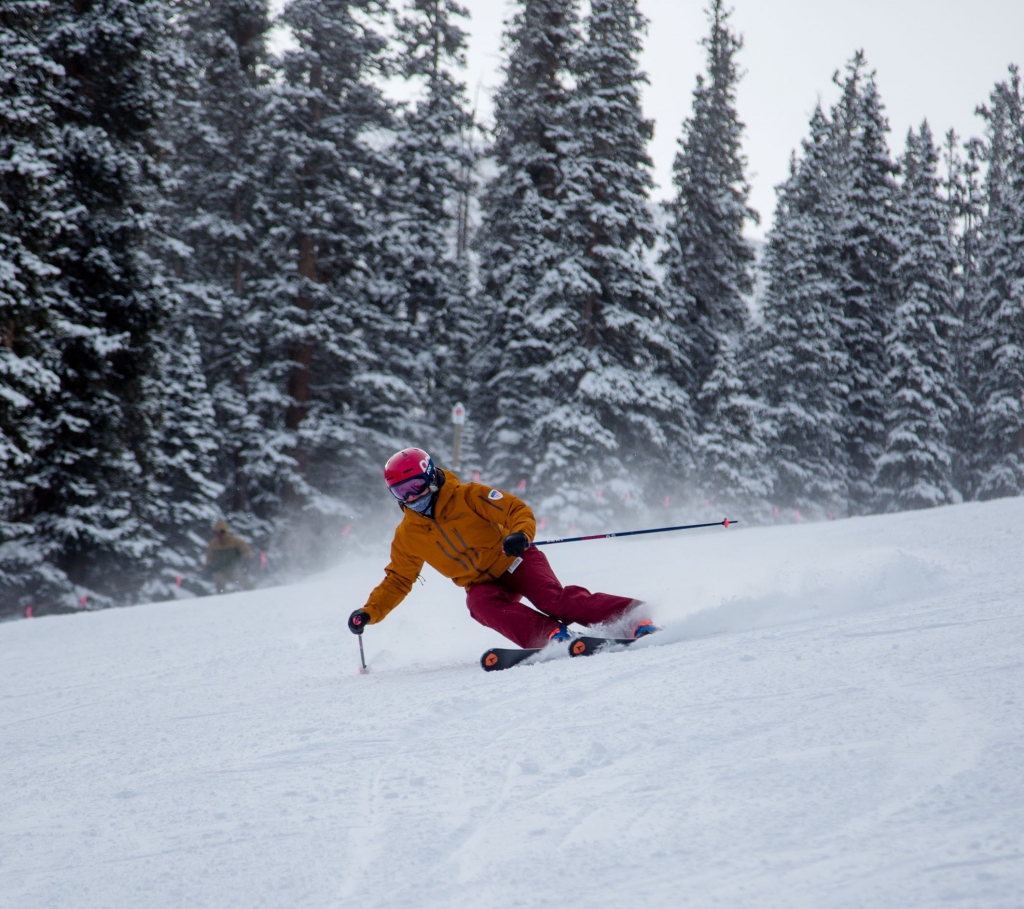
{"x": 491, "y": 659}
{"x": 579, "y": 647}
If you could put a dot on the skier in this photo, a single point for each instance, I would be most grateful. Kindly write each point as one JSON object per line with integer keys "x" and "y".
{"x": 224, "y": 557}
{"x": 480, "y": 538}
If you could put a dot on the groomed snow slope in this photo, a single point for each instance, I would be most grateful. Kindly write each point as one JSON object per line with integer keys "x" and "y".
{"x": 832, "y": 718}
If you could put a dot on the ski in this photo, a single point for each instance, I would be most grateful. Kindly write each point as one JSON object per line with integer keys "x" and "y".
{"x": 498, "y": 658}
{"x": 587, "y": 646}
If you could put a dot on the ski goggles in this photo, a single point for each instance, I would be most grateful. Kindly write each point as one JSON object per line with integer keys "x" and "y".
{"x": 409, "y": 489}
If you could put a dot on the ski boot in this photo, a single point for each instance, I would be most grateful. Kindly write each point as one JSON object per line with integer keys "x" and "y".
{"x": 561, "y": 633}
{"x": 644, "y": 628}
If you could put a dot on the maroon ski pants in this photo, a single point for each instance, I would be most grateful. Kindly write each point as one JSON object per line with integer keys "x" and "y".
{"x": 498, "y": 604}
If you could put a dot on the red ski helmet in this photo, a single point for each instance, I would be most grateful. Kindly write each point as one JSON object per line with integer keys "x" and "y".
{"x": 409, "y": 473}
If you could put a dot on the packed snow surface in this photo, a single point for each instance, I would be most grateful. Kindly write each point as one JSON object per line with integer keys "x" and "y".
{"x": 831, "y": 718}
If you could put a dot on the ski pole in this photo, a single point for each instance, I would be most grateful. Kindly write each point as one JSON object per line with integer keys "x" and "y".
{"x": 632, "y": 533}
{"x": 362, "y": 658}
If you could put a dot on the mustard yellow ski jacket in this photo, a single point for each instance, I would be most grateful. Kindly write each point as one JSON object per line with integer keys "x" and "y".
{"x": 462, "y": 541}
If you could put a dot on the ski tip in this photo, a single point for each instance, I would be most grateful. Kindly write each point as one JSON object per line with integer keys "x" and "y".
{"x": 498, "y": 658}
{"x": 586, "y": 646}
{"x": 581, "y": 647}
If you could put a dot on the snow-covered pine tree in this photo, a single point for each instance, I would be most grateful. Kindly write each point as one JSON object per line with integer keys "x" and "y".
{"x": 180, "y": 502}
{"x": 619, "y": 420}
{"x": 520, "y": 241}
{"x": 434, "y": 323}
{"x": 118, "y": 59}
{"x": 802, "y": 367}
{"x": 915, "y": 470}
{"x": 708, "y": 263}
{"x": 999, "y": 349}
{"x": 867, "y": 248}
{"x": 218, "y": 145}
{"x": 30, "y": 223}
{"x": 323, "y": 391}
{"x": 580, "y": 402}
{"x": 732, "y": 452}
{"x": 965, "y": 198}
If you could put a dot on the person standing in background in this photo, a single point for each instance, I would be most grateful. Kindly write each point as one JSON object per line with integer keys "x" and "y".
{"x": 226, "y": 556}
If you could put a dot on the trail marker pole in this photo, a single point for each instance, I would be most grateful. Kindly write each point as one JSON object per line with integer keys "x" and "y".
{"x": 458, "y": 421}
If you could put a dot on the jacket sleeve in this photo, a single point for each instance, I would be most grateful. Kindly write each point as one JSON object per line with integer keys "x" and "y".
{"x": 510, "y": 513}
{"x": 209, "y": 553}
{"x": 244, "y": 549}
{"x": 399, "y": 576}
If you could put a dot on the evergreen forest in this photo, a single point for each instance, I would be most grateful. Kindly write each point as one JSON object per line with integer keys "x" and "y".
{"x": 233, "y": 282}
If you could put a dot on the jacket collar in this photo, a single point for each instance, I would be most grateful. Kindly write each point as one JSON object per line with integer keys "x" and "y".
{"x": 447, "y": 482}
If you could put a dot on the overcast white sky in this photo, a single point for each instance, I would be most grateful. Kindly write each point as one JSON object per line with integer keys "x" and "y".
{"x": 935, "y": 58}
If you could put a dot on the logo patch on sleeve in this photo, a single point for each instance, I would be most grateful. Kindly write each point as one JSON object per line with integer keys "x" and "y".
{"x": 494, "y": 494}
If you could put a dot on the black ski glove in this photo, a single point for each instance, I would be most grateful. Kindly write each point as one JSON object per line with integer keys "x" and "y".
{"x": 358, "y": 621}
{"x": 515, "y": 544}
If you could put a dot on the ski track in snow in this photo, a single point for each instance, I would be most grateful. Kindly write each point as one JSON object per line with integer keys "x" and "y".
{"x": 831, "y": 718}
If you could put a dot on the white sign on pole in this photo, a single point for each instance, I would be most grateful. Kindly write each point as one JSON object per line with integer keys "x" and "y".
{"x": 458, "y": 415}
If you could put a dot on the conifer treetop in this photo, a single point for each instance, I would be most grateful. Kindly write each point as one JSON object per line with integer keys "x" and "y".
{"x": 708, "y": 262}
